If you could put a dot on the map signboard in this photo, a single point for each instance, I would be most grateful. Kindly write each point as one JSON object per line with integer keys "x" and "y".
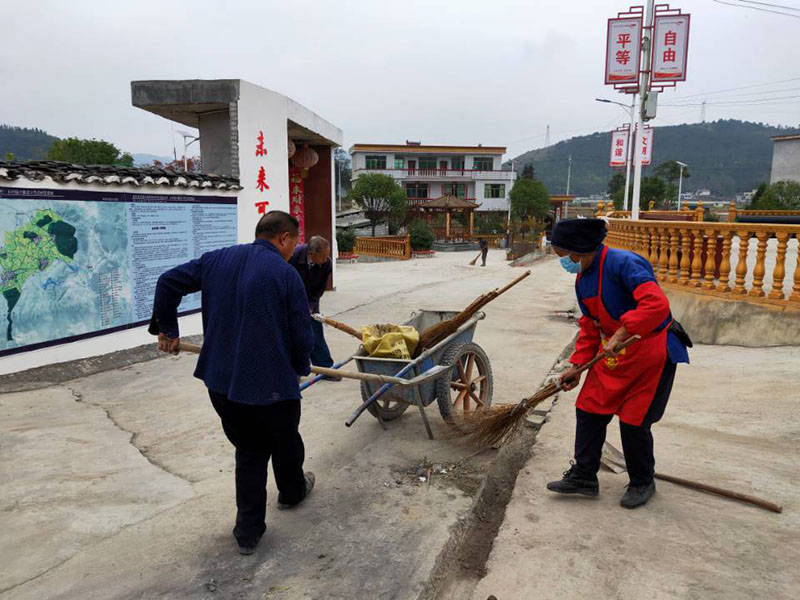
{"x": 75, "y": 264}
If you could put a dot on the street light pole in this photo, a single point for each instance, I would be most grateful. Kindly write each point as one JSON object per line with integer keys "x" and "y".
{"x": 645, "y": 83}
{"x": 680, "y": 181}
{"x": 569, "y": 171}
{"x": 631, "y": 113}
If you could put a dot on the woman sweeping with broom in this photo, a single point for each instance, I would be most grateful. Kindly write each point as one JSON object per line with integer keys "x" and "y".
{"x": 619, "y": 298}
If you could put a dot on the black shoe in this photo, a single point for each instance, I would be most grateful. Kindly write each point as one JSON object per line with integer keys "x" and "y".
{"x": 247, "y": 547}
{"x": 575, "y": 482}
{"x": 309, "y": 486}
{"x": 637, "y": 495}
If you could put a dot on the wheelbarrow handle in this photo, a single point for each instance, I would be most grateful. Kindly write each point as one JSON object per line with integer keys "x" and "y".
{"x": 316, "y": 378}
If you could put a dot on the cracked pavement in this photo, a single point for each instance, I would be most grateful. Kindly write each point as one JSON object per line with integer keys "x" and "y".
{"x": 119, "y": 484}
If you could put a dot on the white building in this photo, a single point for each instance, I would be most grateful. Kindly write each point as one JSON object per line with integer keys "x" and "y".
{"x": 785, "y": 158}
{"x": 425, "y": 172}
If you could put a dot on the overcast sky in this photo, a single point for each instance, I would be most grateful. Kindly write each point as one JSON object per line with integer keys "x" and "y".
{"x": 457, "y": 72}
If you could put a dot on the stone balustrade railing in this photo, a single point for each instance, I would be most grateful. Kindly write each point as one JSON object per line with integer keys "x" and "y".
{"x": 742, "y": 261}
{"x": 398, "y": 247}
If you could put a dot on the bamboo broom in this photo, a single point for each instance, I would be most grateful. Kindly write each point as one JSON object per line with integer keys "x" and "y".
{"x": 497, "y": 424}
{"x": 436, "y": 333}
{"x": 474, "y": 260}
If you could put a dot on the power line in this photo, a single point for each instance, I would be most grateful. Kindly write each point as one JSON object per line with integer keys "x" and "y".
{"x": 777, "y": 12}
{"x": 769, "y": 4}
{"x": 734, "y": 89}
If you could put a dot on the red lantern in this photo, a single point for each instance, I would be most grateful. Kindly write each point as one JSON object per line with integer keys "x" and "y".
{"x": 305, "y": 158}
{"x": 292, "y": 148}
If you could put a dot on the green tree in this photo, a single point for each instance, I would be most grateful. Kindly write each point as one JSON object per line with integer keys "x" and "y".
{"x": 528, "y": 171}
{"x": 346, "y": 240}
{"x": 9, "y": 156}
{"x": 616, "y": 189}
{"x": 421, "y": 235}
{"x": 781, "y": 195}
{"x": 529, "y": 198}
{"x": 380, "y": 197}
{"x": 88, "y": 152}
{"x": 652, "y": 188}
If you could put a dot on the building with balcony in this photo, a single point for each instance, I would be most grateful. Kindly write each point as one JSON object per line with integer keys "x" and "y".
{"x": 472, "y": 173}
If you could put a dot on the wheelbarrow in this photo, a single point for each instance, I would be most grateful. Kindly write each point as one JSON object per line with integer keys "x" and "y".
{"x": 466, "y": 384}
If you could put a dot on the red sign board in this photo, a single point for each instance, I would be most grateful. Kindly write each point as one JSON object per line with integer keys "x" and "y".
{"x": 670, "y": 46}
{"x": 623, "y": 48}
{"x": 619, "y": 148}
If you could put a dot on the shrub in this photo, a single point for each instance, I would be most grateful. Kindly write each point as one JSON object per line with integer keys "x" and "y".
{"x": 421, "y": 235}
{"x": 346, "y": 240}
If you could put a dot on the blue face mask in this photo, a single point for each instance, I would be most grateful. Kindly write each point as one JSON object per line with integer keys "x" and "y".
{"x": 570, "y": 266}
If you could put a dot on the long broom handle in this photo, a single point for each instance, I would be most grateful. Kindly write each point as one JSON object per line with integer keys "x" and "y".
{"x": 341, "y": 326}
{"x": 602, "y": 355}
{"x": 510, "y": 285}
{"x": 696, "y": 485}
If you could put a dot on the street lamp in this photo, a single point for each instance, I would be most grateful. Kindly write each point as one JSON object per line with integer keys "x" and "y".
{"x": 186, "y": 135}
{"x": 680, "y": 181}
{"x": 631, "y": 110}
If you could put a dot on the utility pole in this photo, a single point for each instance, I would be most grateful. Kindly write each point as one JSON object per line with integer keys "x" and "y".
{"x": 680, "y": 181}
{"x": 631, "y": 135}
{"x": 569, "y": 171}
{"x": 647, "y": 45}
{"x": 703, "y": 112}
{"x": 547, "y": 137}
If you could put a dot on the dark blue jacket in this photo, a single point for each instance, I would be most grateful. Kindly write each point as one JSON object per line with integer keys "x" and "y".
{"x": 315, "y": 277}
{"x": 257, "y": 334}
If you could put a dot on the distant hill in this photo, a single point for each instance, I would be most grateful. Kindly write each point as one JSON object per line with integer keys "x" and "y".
{"x": 24, "y": 143}
{"x": 725, "y": 156}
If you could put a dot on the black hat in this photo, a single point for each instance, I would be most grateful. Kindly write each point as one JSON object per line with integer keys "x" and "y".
{"x": 579, "y": 235}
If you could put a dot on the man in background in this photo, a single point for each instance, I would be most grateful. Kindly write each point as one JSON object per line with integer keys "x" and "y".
{"x": 256, "y": 345}
{"x": 484, "y": 245}
{"x": 313, "y": 263}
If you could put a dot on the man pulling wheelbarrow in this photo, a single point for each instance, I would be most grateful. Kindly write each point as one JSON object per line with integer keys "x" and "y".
{"x": 619, "y": 298}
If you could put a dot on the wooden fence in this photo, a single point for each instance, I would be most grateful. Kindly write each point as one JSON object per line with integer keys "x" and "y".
{"x": 397, "y": 247}
{"x": 495, "y": 240}
{"x": 741, "y": 215}
{"x": 730, "y": 260}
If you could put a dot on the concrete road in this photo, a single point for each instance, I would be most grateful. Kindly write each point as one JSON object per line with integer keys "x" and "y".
{"x": 120, "y": 484}
{"x": 732, "y": 423}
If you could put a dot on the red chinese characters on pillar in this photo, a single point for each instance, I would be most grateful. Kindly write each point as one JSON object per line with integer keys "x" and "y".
{"x": 261, "y": 184}
{"x": 260, "y": 149}
{"x": 261, "y": 180}
{"x": 297, "y": 200}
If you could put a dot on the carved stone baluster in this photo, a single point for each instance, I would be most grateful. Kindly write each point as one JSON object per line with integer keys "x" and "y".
{"x": 779, "y": 273}
{"x": 795, "y": 297}
{"x": 711, "y": 259}
{"x": 741, "y": 265}
{"x": 697, "y": 262}
{"x": 757, "y": 290}
{"x": 685, "y": 262}
{"x": 653, "y": 256}
{"x": 663, "y": 243}
{"x": 673, "y": 256}
{"x": 725, "y": 265}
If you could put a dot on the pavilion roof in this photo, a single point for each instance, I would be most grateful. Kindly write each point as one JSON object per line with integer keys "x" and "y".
{"x": 449, "y": 201}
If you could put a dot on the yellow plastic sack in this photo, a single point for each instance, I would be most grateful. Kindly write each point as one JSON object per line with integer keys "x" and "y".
{"x": 390, "y": 341}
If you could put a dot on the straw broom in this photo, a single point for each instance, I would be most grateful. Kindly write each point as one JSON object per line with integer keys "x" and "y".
{"x": 436, "y": 333}
{"x": 497, "y": 424}
{"x": 474, "y": 260}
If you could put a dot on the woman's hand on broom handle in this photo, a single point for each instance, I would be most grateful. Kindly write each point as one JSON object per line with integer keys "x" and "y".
{"x": 614, "y": 344}
{"x": 570, "y": 378}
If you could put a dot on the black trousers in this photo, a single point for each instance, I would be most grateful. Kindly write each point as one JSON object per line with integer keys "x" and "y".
{"x": 259, "y": 433}
{"x": 637, "y": 442}
{"x": 484, "y": 252}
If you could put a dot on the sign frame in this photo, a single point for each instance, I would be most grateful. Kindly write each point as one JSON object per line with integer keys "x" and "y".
{"x": 631, "y": 85}
{"x": 620, "y": 133}
{"x": 657, "y": 47}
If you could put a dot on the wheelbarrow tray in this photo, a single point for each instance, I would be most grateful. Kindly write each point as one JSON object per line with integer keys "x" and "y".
{"x": 420, "y": 320}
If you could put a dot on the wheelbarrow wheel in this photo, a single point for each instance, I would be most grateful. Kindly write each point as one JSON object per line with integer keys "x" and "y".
{"x": 384, "y": 407}
{"x": 470, "y": 385}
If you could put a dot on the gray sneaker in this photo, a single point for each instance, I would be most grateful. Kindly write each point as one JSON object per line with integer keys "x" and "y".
{"x": 310, "y": 479}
